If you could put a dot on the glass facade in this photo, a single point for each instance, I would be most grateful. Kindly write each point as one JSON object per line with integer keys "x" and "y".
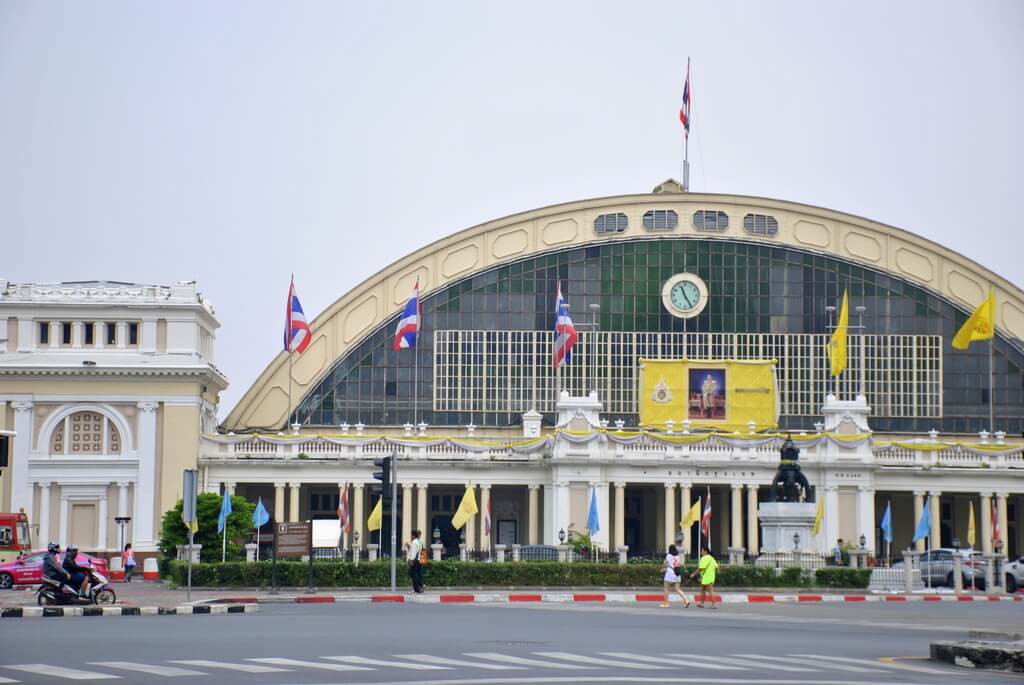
{"x": 754, "y": 288}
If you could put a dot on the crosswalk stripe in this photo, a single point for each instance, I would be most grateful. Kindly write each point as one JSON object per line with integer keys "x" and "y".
{"x": 8, "y": 680}
{"x": 279, "y": 661}
{"x": 383, "y": 662}
{"x": 430, "y": 658}
{"x": 601, "y": 662}
{"x": 811, "y": 661}
{"x": 753, "y": 664}
{"x": 227, "y": 665}
{"x": 169, "y": 671}
{"x": 869, "y": 662}
{"x": 61, "y": 672}
{"x": 535, "y": 663}
{"x": 679, "y": 661}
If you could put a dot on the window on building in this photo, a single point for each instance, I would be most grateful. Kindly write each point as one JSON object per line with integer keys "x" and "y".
{"x": 111, "y": 332}
{"x": 85, "y": 432}
{"x": 660, "y": 220}
{"x": 65, "y": 333}
{"x": 44, "y": 332}
{"x": 760, "y": 224}
{"x": 133, "y": 334}
{"x": 710, "y": 220}
{"x": 611, "y": 223}
{"x": 88, "y": 332}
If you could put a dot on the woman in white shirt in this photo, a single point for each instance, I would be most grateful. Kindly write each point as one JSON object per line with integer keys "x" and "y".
{"x": 671, "y": 568}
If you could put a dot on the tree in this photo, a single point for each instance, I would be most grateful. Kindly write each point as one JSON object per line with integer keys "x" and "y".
{"x": 173, "y": 531}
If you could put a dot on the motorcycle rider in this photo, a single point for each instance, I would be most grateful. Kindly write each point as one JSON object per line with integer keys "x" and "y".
{"x": 51, "y": 565}
{"x": 80, "y": 575}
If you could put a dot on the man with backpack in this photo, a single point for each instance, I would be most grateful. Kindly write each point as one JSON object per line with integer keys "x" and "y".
{"x": 413, "y": 557}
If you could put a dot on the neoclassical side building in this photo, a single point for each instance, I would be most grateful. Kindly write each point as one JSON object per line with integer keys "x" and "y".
{"x": 108, "y": 387}
{"x": 907, "y": 421}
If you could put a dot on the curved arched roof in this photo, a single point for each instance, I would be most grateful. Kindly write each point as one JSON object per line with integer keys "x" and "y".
{"x": 364, "y": 308}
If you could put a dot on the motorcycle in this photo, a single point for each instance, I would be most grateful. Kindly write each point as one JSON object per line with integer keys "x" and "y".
{"x": 56, "y": 593}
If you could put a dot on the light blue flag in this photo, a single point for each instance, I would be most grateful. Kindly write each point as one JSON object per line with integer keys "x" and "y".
{"x": 887, "y": 523}
{"x": 260, "y": 515}
{"x": 225, "y": 511}
{"x": 593, "y": 518}
{"x": 923, "y": 529}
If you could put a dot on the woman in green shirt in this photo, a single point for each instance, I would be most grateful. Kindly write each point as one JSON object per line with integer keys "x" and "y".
{"x": 707, "y": 568}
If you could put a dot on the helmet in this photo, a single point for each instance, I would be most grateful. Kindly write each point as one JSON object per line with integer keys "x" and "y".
{"x": 71, "y": 550}
{"x": 53, "y": 548}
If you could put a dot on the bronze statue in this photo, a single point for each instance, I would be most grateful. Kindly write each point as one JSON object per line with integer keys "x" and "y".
{"x": 795, "y": 487}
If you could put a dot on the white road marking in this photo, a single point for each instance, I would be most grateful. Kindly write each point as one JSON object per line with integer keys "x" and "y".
{"x": 245, "y": 668}
{"x": 888, "y": 664}
{"x": 386, "y": 663}
{"x": 61, "y": 672}
{"x": 750, "y": 663}
{"x": 278, "y": 661}
{"x": 809, "y": 660}
{"x": 430, "y": 658}
{"x": 535, "y": 663}
{"x": 169, "y": 671}
{"x": 8, "y": 680}
{"x": 680, "y": 661}
{"x": 592, "y": 660}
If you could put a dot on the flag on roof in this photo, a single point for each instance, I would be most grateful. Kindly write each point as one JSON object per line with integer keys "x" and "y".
{"x": 684, "y": 109}
{"x": 409, "y": 324}
{"x": 565, "y": 332}
{"x": 296, "y": 330}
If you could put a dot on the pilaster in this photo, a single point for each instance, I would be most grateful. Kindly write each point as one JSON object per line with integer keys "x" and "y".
{"x": 145, "y": 488}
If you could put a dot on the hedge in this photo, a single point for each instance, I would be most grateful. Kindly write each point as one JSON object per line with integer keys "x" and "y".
{"x": 476, "y": 574}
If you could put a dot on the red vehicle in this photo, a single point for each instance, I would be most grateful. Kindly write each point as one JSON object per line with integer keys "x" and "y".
{"x": 28, "y": 569}
{"x": 14, "y": 536}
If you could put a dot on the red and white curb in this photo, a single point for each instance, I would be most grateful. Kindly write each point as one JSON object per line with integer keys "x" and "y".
{"x": 180, "y": 610}
{"x": 607, "y": 597}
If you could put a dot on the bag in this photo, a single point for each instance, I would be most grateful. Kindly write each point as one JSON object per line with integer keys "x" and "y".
{"x": 424, "y": 557}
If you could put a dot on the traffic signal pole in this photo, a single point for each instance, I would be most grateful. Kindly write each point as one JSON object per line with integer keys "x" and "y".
{"x": 394, "y": 517}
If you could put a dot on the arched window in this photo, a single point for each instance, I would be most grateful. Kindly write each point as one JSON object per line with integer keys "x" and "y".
{"x": 85, "y": 433}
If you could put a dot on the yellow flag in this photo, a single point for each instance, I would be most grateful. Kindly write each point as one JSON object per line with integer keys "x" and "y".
{"x": 373, "y": 523}
{"x": 692, "y": 516}
{"x": 191, "y": 525}
{"x": 818, "y": 517}
{"x": 981, "y": 325}
{"x": 467, "y": 508}
{"x": 970, "y": 527}
{"x": 837, "y": 345}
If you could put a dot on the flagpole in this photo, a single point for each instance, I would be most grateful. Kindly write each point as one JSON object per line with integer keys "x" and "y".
{"x": 991, "y": 385}
{"x": 686, "y": 138}
{"x": 288, "y": 339}
{"x": 709, "y": 522}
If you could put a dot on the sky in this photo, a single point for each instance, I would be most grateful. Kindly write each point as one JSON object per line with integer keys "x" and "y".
{"x": 234, "y": 143}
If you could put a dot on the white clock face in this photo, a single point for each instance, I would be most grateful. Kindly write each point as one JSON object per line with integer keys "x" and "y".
{"x": 684, "y": 295}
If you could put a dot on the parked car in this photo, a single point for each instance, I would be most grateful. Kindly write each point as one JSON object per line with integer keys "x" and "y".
{"x": 28, "y": 568}
{"x": 1014, "y": 572}
{"x": 937, "y": 567}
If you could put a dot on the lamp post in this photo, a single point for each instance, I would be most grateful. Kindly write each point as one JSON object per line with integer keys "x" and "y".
{"x": 121, "y": 522}
{"x": 356, "y": 551}
{"x": 796, "y": 542}
{"x": 863, "y": 542}
{"x": 561, "y": 536}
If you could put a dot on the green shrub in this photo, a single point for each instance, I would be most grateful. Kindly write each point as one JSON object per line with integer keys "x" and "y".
{"x": 839, "y": 576}
{"x": 173, "y": 531}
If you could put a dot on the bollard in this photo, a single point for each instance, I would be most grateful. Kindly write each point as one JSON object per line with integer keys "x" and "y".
{"x": 909, "y": 562}
{"x": 958, "y": 573}
{"x": 516, "y": 552}
{"x": 371, "y": 550}
{"x": 623, "y": 552}
{"x": 990, "y": 562}
{"x": 150, "y": 569}
{"x": 998, "y": 574}
{"x": 435, "y": 552}
{"x": 499, "y": 554}
{"x": 116, "y": 568}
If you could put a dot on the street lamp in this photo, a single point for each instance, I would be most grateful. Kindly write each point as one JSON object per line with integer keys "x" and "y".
{"x": 356, "y": 552}
{"x": 796, "y": 542}
{"x": 863, "y": 541}
{"x": 561, "y": 536}
{"x": 123, "y": 521}
{"x": 436, "y": 535}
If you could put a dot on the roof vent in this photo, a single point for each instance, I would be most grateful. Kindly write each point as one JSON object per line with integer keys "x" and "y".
{"x": 669, "y": 186}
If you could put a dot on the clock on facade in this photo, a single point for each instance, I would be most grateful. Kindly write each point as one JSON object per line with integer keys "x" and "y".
{"x": 685, "y": 295}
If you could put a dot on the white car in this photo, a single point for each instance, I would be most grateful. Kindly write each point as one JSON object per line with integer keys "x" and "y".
{"x": 1014, "y": 572}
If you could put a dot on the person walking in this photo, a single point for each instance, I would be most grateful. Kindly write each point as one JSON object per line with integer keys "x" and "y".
{"x": 671, "y": 577}
{"x": 707, "y": 569}
{"x": 412, "y": 558}
{"x": 128, "y": 562}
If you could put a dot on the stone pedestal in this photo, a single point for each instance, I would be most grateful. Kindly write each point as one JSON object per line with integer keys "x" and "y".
{"x": 463, "y": 556}
{"x": 435, "y": 552}
{"x": 736, "y": 555}
{"x": 499, "y": 554}
{"x": 990, "y": 563}
{"x": 780, "y": 521}
{"x": 623, "y": 552}
{"x": 958, "y": 573}
{"x": 516, "y": 552}
{"x": 250, "y": 552}
{"x": 847, "y": 417}
{"x": 371, "y": 551}
{"x": 563, "y": 553}
{"x": 183, "y": 553}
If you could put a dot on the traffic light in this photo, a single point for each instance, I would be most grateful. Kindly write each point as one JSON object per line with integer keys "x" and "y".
{"x": 384, "y": 476}
{"x": 384, "y": 492}
{"x": 5, "y": 447}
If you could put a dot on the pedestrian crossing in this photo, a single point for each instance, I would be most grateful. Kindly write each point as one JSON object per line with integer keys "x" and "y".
{"x": 527, "y": 663}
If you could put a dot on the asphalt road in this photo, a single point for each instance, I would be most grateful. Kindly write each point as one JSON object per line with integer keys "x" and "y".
{"x": 505, "y": 644}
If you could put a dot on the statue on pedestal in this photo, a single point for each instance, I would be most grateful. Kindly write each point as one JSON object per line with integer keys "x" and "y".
{"x": 795, "y": 487}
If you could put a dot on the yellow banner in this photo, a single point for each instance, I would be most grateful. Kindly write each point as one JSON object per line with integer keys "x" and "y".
{"x": 722, "y": 394}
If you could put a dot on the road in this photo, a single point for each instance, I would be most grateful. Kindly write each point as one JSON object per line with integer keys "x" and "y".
{"x": 505, "y": 644}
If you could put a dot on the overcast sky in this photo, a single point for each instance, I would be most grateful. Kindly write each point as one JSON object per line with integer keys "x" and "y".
{"x": 235, "y": 142}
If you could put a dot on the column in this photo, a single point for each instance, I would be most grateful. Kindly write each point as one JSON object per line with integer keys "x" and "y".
{"x": 122, "y": 510}
{"x": 831, "y": 519}
{"x": 470, "y": 526}
{"x": 866, "y": 517}
{"x": 533, "y": 511}
{"x": 1004, "y": 533}
{"x": 936, "y": 532}
{"x": 736, "y": 516}
{"x": 293, "y": 509}
{"x": 671, "y": 522}
{"x": 560, "y": 519}
{"x": 62, "y": 525}
{"x": 26, "y": 335}
{"x": 406, "y": 514}
{"x": 279, "y": 502}
{"x": 620, "y": 515}
{"x": 986, "y": 522}
{"x": 918, "y": 511}
{"x": 485, "y": 516}
{"x": 358, "y": 534}
{"x": 101, "y": 538}
{"x": 145, "y": 487}
{"x": 99, "y": 335}
{"x": 77, "y": 334}
{"x": 421, "y": 513}
{"x": 55, "y": 334}
{"x": 43, "y": 517}
{"x": 21, "y": 447}
{"x": 122, "y": 335}
{"x": 753, "y": 527}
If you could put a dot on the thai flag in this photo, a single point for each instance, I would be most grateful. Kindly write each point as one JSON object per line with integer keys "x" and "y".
{"x": 343, "y": 517}
{"x": 684, "y": 109}
{"x": 409, "y": 324}
{"x": 705, "y": 519}
{"x": 565, "y": 332}
{"x": 296, "y": 330}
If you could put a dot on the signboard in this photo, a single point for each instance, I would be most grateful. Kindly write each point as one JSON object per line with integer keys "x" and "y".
{"x": 292, "y": 539}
